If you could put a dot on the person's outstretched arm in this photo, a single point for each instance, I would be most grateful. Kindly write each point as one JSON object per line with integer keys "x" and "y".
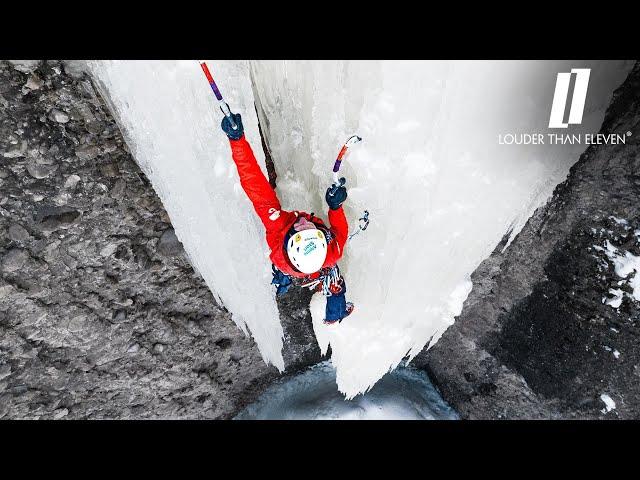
{"x": 339, "y": 227}
{"x": 337, "y": 218}
{"x": 254, "y": 183}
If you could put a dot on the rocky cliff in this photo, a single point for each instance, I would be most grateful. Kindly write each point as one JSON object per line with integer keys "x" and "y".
{"x": 101, "y": 314}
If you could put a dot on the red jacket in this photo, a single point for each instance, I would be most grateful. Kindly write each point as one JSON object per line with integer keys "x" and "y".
{"x": 277, "y": 222}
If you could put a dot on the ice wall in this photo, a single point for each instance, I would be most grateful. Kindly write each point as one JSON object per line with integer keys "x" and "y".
{"x": 440, "y": 188}
{"x": 171, "y": 121}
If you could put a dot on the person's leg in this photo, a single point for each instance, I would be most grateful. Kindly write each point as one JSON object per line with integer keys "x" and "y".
{"x": 337, "y": 306}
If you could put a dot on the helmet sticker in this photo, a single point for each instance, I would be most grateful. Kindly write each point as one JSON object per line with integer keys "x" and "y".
{"x": 309, "y": 247}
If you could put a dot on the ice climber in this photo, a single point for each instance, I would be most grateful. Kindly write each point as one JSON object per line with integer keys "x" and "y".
{"x": 303, "y": 249}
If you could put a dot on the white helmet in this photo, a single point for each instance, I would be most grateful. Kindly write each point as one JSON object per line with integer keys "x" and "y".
{"x": 307, "y": 250}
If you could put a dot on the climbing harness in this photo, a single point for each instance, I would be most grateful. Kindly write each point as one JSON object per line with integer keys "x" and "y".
{"x": 329, "y": 282}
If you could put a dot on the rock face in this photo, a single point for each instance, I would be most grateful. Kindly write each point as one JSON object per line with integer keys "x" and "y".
{"x": 101, "y": 315}
{"x": 550, "y": 329}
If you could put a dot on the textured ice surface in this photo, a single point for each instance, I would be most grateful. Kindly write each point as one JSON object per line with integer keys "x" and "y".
{"x": 172, "y": 124}
{"x": 440, "y": 189}
{"x": 405, "y": 394}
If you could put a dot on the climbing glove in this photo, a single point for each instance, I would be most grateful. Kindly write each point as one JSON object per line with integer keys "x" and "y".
{"x": 280, "y": 280}
{"x": 228, "y": 129}
{"x": 335, "y": 201}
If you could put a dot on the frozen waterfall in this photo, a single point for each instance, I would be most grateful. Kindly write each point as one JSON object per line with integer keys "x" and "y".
{"x": 172, "y": 125}
{"x": 440, "y": 188}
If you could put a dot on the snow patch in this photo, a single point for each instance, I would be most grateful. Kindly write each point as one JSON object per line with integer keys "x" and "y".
{"x": 619, "y": 221}
{"x": 609, "y": 404}
{"x": 626, "y": 267}
{"x": 616, "y": 301}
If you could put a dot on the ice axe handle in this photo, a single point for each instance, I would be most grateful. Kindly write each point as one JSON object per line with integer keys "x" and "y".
{"x": 216, "y": 91}
{"x": 337, "y": 183}
{"x": 343, "y": 151}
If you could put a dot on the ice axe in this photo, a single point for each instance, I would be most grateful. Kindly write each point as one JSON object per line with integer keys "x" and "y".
{"x": 363, "y": 223}
{"x": 224, "y": 107}
{"x": 338, "y": 182}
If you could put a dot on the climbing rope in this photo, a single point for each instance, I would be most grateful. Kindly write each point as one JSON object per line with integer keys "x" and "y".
{"x": 329, "y": 279}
